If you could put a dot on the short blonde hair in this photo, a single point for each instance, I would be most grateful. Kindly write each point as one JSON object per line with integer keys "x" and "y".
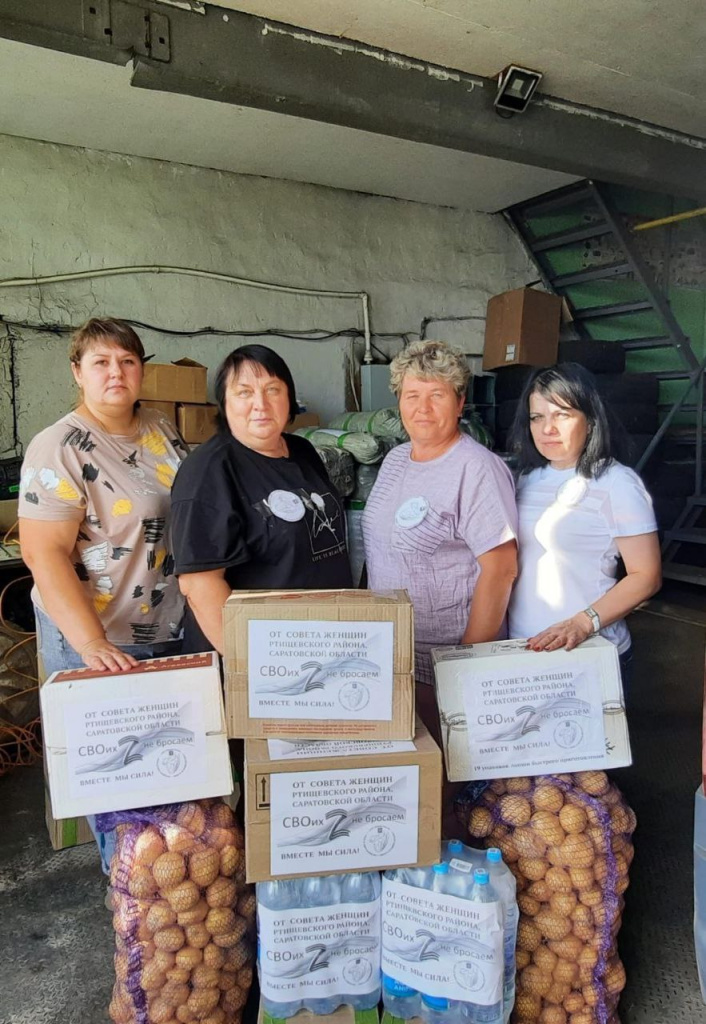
{"x": 430, "y": 360}
{"x": 110, "y": 329}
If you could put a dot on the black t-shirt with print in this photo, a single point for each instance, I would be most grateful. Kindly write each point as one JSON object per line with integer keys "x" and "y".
{"x": 270, "y": 523}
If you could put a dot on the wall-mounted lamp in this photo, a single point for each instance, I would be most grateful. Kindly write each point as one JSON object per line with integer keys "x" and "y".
{"x": 516, "y": 87}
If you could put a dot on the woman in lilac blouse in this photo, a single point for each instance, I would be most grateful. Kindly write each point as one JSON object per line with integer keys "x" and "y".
{"x": 441, "y": 521}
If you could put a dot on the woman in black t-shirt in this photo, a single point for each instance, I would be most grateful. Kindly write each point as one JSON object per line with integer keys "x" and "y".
{"x": 253, "y": 508}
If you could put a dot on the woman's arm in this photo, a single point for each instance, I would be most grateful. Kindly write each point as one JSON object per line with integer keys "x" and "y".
{"x": 47, "y": 547}
{"x": 206, "y": 593}
{"x": 498, "y": 571}
{"x": 643, "y": 566}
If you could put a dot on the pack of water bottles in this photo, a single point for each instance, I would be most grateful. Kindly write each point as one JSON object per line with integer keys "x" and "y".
{"x": 448, "y": 939}
{"x": 319, "y": 943}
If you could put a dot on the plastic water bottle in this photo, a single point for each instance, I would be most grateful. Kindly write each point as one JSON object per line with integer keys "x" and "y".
{"x": 439, "y": 877}
{"x": 278, "y": 896}
{"x": 454, "y": 849}
{"x": 505, "y": 885}
{"x": 399, "y": 1000}
{"x": 321, "y": 891}
{"x": 436, "y": 1010}
{"x": 478, "y": 1013}
{"x": 361, "y": 888}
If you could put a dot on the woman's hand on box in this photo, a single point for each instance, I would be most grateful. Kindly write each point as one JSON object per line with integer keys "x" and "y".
{"x": 568, "y": 633}
{"x": 103, "y": 656}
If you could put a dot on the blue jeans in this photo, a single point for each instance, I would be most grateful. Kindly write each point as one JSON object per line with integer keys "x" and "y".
{"x": 57, "y": 654}
{"x": 626, "y": 660}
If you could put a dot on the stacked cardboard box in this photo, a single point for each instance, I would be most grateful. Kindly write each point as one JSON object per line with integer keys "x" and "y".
{"x": 178, "y": 390}
{"x": 338, "y": 776}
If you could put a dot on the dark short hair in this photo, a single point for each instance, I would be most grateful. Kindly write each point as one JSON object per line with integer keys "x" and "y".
{"x": 262, "y": 356}
{"x": 571, "y": 385}
{"x": 116, "y": 332}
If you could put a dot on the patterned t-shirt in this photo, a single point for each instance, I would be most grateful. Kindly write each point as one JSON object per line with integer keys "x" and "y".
{"x": 118, "y": 489}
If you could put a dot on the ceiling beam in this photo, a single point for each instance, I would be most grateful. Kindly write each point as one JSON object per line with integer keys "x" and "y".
{"x": 237, "y": 58}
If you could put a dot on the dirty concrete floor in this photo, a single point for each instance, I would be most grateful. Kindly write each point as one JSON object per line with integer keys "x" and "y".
{"x": 56, "y": 963}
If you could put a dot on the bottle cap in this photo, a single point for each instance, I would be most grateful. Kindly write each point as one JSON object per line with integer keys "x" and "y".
{"x": 436, "y": 1002}
{"x": 455, "y": 845}
{"x": 440, "y": 869}
{"x": 494, "y": 855}
{"x": 480, "y": 875}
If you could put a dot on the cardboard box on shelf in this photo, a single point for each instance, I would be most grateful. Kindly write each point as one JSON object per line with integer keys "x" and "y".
{"x": 196, "y": 423}
{"x": 522, "y": 328}
{"x": 66, "y": 832}
{"x": 507, "y": 711}
{"x": 303, "y": 664}
{"x": 338, "y": 806}
{"x": 168, "y": 409}
{"x": 184, "y": 380}
{"x": 153, "y": 735}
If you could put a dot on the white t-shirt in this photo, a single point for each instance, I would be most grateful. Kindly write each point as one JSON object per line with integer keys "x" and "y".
{"x": 568, "y": 526}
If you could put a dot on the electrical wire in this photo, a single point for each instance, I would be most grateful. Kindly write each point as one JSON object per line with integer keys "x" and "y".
{"x": 442, "y": 319}
{"x": 20, "y": 745}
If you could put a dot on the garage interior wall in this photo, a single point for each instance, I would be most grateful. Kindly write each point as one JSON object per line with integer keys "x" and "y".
{"x": 65, "y": 209}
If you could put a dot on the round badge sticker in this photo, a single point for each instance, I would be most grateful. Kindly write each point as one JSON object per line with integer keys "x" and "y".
{"x": 286, "y": 505}
{"x": 571, "y": 492}
{"x": 411, "y": 513}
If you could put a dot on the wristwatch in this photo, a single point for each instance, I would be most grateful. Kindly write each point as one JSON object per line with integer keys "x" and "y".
{"x": 594, "y": 617}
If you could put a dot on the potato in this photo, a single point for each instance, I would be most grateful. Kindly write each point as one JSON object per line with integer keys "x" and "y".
{"x": 231, "y": 859}
{"x": 515, "y": 809}
{"x": 534, "y": 979}
{"x": 548, "y": 798}
{"x": 213, "y": 956}
{"x": 522, "y": 958}
{"x": 528, "y": 1005}
{"x": 222, "y": 815}
{"x": 184, "y": 1015}
{"x": 591, "y": 897}
{"x": 528, "y": 935}
{"x": 549, "y": 826}
{"x": 532, "y": 868}
{"x": 194, "y": 914}
{"x": 544, "y": 958}
{"x": 521, "y": 784}
{"x": 508, "y": 850}
{"x": 598, "y": 837}
{"x": 234, "y": 999}
{"x": 160, "y": 915}
{"x": 559, "y": 880}
{"x": 480, "y": 822}
{"x": 236, "y": 956}
{"x": 152, "y": 977}
{"x": 202, "y": 1001}
{"x": 247, "y": 904}
{"x": 221, "y": 893}
{"x": 227, "y": 980}
{"x": 216, "y": 1016}
{"x": 563, "y": 903}
{"x": 498, "y": 787}
{"x": 183, "y": 896}
{"x": 566, "y": 972}
{"x": 197, "y": 935}
{"x": 141, "y": 883}
{"x": 171, "y": 938}
{"x": 180, "y": 974}
{"x": 204, "y": 866}
{"x": 552, "y": 1015}
{"x": 205, "y": 977}
{"x": 551, "y": 925}
{"x": 222, "y": 837}
{"x": 581, "y": 878}
{"x": 540, "y": 890}
{"x": 188, "y": 958}
{"x": 148, "y": 846}
{"x": 529, "y": 843}
{"x": 220, "y": 920}
{"x": 192, "y": 817}
{"x": 163, "y": 959}
{"x": 175, "y": 993}
{"x": 568, "y": 949}
{"x": 233, "y": 937}
{"x": 528, "y": 905}
{"x": 179, "y": 840}
{"x": 557, "y": 993}
{"x": 574, "y": 1002}
{"x": 615, "y": 977}
{"x": 577, "y": 851}
{"x": 573, "y": 819}
{"x": 595, "y": 783}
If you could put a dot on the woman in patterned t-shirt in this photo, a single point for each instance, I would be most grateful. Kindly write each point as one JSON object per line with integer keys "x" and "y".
{"x": 94, "y": 507}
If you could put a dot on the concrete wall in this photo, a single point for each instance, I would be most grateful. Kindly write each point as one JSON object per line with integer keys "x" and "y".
{"x": 64, "y": 209}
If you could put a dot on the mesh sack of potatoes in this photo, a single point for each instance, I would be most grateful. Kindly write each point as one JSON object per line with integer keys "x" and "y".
{"x": 567, "y": 840}
{"x": 182, "y": 913}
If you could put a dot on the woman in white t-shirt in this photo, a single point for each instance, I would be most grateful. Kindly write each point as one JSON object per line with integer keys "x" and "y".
{"x": 580, "y": 512}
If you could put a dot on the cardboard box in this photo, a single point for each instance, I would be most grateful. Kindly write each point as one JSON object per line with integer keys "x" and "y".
{"x": 181, "y": 381}
{"x": 322, "y": 664}
{"x": 303, "y": 419}
{"x": 152, "y": 735}
{"x": 346, "y": 808}
{"x": 168, "y": 409}
{"x": 8, "y": 515}
{"x": 506, "y": 711}
{"x": 522, "y": 328}
{"x": 66, "y": 832}
{"x": 196, "y": 423}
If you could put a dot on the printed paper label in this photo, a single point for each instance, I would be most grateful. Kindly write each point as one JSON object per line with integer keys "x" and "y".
{"x": 320, "y": 951}
{"x": 360, "y": 819}
{"x": 114, "y": 746}
{"x": 303, "y": 669}
{"x": 523, "y": 722}
{"x": 442, "y": 945}
{"x": 285, "y": 750}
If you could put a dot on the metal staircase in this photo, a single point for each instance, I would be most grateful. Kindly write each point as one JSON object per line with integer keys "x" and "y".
{"x": 612, "y": 286}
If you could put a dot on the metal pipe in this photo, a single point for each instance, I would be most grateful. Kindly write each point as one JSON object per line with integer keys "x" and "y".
{"x": 674, "y": 219}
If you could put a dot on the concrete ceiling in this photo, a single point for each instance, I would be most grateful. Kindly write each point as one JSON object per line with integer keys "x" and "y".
{"x": 644, "y": 59}
{"x": 76, "y": 101}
